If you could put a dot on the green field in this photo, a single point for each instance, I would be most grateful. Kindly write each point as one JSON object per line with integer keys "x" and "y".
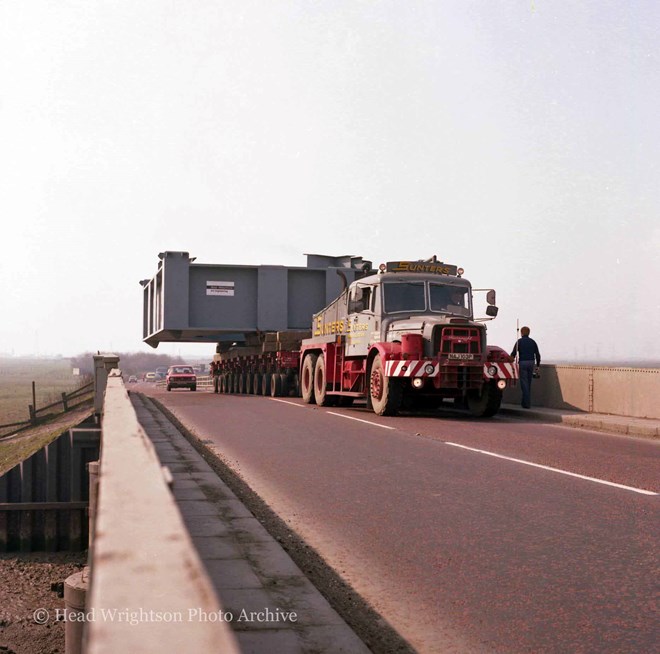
{"x": 52, "y": 377}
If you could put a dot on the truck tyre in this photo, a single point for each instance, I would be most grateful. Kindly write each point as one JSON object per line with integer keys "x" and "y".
{"x": 223, "y": 384}
{"x": 295, "y": 385}
{"x": 169, "y": 388}
{"x": 256, "y": 383}
{"x": 242, "y": 380}
{"x": 265, "y": 384}
{"x": 216, "y": 383}
{"x": 307, "y": 379}
{"x": 386, "y": 393}
{"x": 321, "y": 384}
{"x": 193, "y": 388}
{"x": 275, "y": 385}
{"x": 284, "y": 378}
{"x": 485, "y": 404}
{"x": 250, "y": 384}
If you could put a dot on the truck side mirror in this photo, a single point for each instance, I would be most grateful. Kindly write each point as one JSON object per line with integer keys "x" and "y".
{"x": 490, "y": 298}
{"x": 491, "y": 311}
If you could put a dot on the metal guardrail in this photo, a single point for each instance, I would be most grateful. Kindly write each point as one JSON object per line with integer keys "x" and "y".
{"x": 143, "y": 562}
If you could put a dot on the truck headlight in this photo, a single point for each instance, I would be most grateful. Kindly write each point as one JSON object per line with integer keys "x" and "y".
{"x": 418, "y": 382}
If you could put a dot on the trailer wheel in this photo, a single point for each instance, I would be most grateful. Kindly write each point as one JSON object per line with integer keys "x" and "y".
{"x": 223, "y": 384}
{"x": 386, "y": 393}
{"x": 321, "y": 384}
{"x": 275, "y": 385}
{"x": 487, "y": 403}
{"x": 265, "y": 384}
{"x": 295, "y": 385}
{"x": 285, "y": 384}
{"x": 256, "y": 384}
{"x": 307, "y": 379}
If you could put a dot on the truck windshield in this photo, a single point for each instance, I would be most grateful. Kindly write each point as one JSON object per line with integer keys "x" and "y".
{"x": 404, "y": 296}
{"x": 449, "y": 299}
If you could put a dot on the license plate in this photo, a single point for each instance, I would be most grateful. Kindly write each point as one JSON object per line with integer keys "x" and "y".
{"x": 461, "y": 357}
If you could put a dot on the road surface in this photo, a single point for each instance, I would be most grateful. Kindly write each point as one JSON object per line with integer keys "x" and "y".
{"x": 466, "y": 535}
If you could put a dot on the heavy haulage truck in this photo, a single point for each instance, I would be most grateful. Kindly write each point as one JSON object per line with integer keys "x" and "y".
{"x": 404, "y": 334}
{"x": 398, "y": 337}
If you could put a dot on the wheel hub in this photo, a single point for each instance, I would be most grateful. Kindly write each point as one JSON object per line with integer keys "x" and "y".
{"x": 376, "y": 385}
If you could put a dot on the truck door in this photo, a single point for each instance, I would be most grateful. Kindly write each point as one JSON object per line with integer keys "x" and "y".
{"x": 360, "y": 320}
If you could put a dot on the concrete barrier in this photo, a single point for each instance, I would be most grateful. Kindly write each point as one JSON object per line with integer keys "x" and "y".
{"x": 145, "y": 574}
{"x": 633, "y": 392}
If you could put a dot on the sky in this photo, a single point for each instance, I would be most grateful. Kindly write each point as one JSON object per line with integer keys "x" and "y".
{"x": 519, "y": 140}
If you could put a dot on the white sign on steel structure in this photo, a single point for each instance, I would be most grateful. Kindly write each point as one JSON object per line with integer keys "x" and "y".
{"x": 225, "y": 289}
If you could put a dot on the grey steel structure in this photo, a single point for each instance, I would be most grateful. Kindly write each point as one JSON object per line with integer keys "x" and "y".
{"x": 211, "y": 303}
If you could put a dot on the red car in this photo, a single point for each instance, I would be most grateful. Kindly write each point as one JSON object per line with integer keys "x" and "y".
{"x": 181, "y": 377}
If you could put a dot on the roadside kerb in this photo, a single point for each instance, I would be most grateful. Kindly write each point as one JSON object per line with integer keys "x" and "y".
{"x": 143, "y": 562}
{"x": 598, "y": 421}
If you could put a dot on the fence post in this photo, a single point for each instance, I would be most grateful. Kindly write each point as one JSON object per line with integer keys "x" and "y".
{"x": 103, "y": 364}
{"x": 93, "y": 469}
{"x": 33, "y": 414}
{"x": 65, "y": 403}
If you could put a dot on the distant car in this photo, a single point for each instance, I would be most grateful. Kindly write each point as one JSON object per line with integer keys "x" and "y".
{"x": 150, "y": 377}
{"x": 132, "y": 379}
{"x": 181, "y": 377}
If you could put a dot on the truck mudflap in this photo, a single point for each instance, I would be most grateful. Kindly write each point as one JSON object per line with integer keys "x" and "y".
{"x": 431, "y": 368}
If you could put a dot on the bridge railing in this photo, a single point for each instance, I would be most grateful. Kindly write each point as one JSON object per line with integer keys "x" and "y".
{"x": 632, "y": 392}
{"x": 145, "y": 573}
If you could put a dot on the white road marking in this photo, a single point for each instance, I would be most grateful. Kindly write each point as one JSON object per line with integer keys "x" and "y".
{"x": 302, "y": 406}
{"x": 561, "y": 472}
{"x": 368, "y": 422}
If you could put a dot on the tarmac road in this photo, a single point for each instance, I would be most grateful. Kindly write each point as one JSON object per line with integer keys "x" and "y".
{"x": 459, "y": 550}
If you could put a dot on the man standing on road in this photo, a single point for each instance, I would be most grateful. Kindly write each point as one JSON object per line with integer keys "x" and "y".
{"x": 528, "y": 357}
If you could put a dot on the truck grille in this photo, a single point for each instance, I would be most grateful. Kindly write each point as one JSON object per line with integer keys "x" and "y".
{"x": 458, "y": 340}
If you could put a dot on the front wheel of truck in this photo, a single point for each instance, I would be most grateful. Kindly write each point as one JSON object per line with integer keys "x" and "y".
{"x": 486, "y": 403}
{"x": 385, "y": 393}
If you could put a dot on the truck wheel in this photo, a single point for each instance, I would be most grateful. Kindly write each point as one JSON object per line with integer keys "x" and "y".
{"x": 275, "y": 385}
{"x": 193, "y": 388}
{"x": 256, "y": 384}
{"x": 265, "y": 384}
{"x": 321, "y": 384}
{"x": 249, "y": 384}
{"x": 485, "y": 404}
{"x": 307, "y": 380}
{"x": 169, "y": 388}
{"x": 223, "y": 384}
{"x": 242, "y": 379}
{"x": 386, "y": 393}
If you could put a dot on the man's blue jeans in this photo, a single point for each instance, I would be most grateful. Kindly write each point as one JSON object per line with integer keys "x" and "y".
{"x": 526, "y": 372}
